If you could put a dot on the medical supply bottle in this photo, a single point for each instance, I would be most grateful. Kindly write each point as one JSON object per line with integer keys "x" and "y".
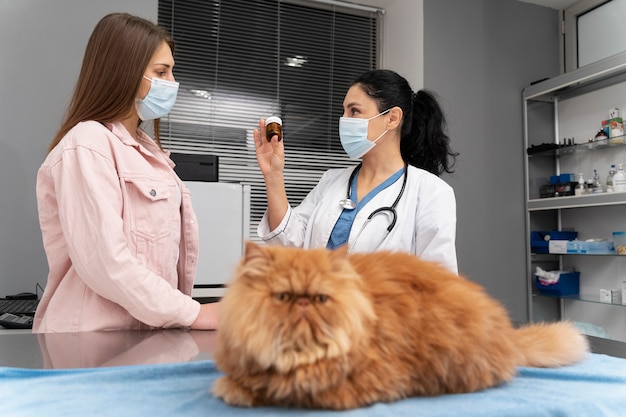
{"x": 619, "y": 179}
{"x": 609, "y": 179}
{"x": 597, "y": 184}
{"x": 581, "y": 187}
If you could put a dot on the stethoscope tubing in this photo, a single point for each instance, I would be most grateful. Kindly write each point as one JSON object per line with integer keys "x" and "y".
{"x": 392, "y": 209}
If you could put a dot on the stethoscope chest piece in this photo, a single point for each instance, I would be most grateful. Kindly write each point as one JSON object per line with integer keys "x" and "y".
{"x": 347, "y": 204}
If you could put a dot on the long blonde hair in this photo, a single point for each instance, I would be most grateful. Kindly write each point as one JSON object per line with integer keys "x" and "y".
{"x": 117, "y": 54}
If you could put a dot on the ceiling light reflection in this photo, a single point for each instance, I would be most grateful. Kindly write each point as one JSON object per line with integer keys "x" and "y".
{"x": 296, "y": 61}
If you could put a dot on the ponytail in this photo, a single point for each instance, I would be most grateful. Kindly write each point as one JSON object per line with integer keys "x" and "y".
{"x": 424, "y": 142}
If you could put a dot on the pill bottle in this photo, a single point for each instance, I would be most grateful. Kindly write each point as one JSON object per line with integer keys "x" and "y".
{"x": 273, "y": 127}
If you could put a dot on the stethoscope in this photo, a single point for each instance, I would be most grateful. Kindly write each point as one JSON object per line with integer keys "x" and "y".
{"x": 348, "y": 204}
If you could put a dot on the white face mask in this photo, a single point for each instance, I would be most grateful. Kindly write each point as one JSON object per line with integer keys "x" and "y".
{"x": 353, "y": 135}
{"x": 159, "y": 101}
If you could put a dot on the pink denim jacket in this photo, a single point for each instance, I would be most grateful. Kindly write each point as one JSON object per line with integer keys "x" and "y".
{"x": 120, "y": 234}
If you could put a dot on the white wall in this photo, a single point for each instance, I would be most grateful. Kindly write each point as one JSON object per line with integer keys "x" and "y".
{"x": 478, "y": 56}
{"x": 403, "y": 38}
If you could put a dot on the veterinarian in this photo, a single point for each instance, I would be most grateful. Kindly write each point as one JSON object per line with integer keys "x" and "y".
{"x": 118, "y": 227}
{"x": 394, "y": 199}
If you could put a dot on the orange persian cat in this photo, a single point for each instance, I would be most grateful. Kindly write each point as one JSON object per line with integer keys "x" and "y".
{"x": 328, "y": 329}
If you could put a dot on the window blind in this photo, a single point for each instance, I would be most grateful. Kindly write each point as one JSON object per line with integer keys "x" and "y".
{"x": 239, "y": 60}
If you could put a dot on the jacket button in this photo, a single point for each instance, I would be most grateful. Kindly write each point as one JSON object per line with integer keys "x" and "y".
{"x": 153, "y": 192}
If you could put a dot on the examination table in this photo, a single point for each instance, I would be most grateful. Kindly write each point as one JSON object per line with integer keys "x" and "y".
{"x": 170, "y": 372}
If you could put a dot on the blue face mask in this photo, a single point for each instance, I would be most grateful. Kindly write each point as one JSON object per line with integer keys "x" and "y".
{"x": 353, "y": 135}
{"x": 159, "y": 101}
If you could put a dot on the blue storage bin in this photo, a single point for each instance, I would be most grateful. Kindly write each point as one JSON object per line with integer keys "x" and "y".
{"x": 569, "y": 284}
{"x": 540, "y": 244}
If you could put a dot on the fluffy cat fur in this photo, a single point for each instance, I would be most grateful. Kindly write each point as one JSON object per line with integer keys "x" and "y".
{"x": 328, "y": 329}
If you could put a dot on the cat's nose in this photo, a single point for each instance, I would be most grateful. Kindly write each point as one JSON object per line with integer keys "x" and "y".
{"x": 303, "y": 302}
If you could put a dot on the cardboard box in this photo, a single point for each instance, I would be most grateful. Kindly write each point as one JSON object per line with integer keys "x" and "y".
{"x": 557, "y": 246}
{"x": 601, "y": 247}
{"x": 614, "y": 129}
{"x": 610, "y": 296}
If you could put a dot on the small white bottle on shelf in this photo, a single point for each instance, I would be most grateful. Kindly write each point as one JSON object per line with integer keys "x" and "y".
{"x": 619, "y": 179}
{"x": 581, "y": 187}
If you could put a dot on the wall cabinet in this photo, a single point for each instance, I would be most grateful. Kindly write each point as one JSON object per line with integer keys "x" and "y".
{"x": 561, "y": 114}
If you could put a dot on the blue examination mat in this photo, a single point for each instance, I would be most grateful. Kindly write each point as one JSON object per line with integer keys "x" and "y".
{"x": 595, "y": 387}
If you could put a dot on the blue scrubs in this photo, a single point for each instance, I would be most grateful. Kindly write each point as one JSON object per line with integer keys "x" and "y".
{"x": 341, "y": 232}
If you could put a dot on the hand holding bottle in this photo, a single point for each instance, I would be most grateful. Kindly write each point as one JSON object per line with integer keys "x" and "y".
{"x": 270, "y": 155}
{"x": 270, "y": 152}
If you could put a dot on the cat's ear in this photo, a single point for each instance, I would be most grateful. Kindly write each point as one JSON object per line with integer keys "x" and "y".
{"x": 253, "y": 251}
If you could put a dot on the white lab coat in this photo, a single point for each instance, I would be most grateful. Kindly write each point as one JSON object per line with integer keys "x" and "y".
{"x": 426, "y": 224}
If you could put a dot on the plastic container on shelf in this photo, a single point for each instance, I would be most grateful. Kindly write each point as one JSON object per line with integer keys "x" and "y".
{"x": 581, "y": 187}
{"x": 619, "y": 241}
{"x": 590, "y": 247}
{"x": 609, "y": 179}
{"x": 619, "y": 179}
{"x": 540, "y": 240}
{"x": 568, "y": 284}
{"x": 597, "y": 184}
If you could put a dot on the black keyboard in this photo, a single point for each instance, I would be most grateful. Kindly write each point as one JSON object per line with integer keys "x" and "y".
{"x": 27, "y": 307}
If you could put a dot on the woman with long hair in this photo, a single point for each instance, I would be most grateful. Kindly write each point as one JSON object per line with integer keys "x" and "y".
{"x": 118, "y": 226}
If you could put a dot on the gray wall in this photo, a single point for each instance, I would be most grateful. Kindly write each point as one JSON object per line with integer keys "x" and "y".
{"x": 41, "y": 48}
{"x": 478, "y": 56}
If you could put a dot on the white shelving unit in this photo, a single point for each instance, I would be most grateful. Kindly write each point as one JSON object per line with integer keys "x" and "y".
{"x": 569, "y": 109}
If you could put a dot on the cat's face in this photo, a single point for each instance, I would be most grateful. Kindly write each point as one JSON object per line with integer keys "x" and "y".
{"x": 287, "y": 308}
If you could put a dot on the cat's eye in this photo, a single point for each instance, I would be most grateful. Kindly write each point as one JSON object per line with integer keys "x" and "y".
{"x": 321, "y": 298}
{"x": 283, "y": 296}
